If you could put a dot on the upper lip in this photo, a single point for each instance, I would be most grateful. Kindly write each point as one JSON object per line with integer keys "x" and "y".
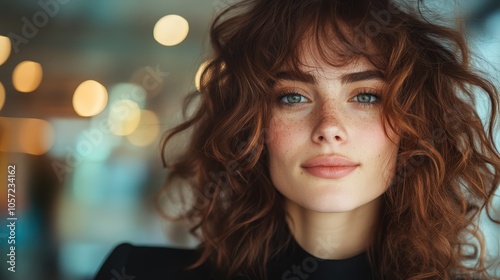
{"x": 329, "y": 161}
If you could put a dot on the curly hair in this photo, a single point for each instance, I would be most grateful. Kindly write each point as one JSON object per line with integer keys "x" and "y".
{"x": 448, "y": 166}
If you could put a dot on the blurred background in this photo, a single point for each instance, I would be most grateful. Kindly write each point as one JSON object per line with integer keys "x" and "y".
{"x": 86, "y": 90}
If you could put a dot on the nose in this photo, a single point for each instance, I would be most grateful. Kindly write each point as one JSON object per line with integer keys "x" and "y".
{"x": 329, "y": 126}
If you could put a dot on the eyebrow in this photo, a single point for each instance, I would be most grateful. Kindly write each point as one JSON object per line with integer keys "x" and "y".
{"x": 344, "y": 79}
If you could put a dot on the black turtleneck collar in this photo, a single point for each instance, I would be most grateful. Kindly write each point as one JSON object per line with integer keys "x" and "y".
{"x": 294, "y": 263}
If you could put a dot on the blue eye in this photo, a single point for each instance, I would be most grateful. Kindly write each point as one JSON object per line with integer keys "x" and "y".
{"x": 366, "y": 99}
{"x": 292, "y": 98}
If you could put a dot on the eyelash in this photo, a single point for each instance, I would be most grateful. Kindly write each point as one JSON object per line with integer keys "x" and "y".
{"x": 369, "y": 92}
{"x": 288, "y": 93}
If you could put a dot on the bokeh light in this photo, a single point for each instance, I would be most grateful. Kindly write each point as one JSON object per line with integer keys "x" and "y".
{"x": 170, "y": 30}
{"x": 2, "y": 96}
{"x": 148, "y": 78}
{"x": 26, "y": 135}
{"x": 90, "y": 98}
{"x": 5, "y": 47}
{"x": 36, "y": 136}
{"x": 124, "y": 117}
{"x": 128, "y": 91}
{"x": 147, "y": 131}
{"x": 27, "y": 76}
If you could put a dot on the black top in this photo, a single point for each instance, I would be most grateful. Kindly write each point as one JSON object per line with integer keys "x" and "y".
{"x": 127, "y": 262}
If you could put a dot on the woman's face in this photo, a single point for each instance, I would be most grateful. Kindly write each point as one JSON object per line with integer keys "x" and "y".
{"x": 328, "y": 151}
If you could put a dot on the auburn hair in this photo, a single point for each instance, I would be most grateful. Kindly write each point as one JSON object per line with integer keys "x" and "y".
{"x": 448, "y": 166}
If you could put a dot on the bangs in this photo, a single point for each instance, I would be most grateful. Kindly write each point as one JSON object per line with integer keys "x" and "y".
{"x": 334, "y": 32}
{"x": 273, "y": 35}
{"x": 334, "y": 45}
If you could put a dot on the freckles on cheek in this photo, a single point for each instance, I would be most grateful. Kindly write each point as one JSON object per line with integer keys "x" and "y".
{"x": 277, "y": 128}
{"x": 370, "y": 127}
{"x": 282, "y": 133}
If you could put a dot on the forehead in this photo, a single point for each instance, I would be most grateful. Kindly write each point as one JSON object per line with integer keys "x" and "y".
{"x": 315, "y": 66}
{"x": 312, "y": 69}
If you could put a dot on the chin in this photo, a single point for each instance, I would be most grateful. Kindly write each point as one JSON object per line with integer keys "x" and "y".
{"x": 332, "y": 204}
{"x": 339, "y": 208}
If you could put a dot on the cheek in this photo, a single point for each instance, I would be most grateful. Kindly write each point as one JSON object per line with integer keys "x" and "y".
{"x": 383, "y": 153}
{"x": 365, "y": 133}
{"x": 283, "y": 135}
{"x": 373, "y": 141}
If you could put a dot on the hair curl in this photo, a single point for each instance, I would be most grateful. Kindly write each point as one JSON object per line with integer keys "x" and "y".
{"x": 448, "y": 166}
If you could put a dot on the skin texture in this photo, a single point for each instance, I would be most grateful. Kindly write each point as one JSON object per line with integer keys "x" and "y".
{"x": 329, "y": 116}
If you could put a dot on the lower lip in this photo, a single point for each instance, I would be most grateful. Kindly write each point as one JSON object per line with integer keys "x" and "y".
{"x": 330, "y": 172}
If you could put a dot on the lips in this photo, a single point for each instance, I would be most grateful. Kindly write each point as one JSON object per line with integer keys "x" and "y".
{"x": 330, "y": 167}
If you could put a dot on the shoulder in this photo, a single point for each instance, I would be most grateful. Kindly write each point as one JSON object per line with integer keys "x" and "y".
{"x": 127, "y": 261}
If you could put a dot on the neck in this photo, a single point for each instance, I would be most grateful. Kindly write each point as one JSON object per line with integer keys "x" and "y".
{"x": 333, "y": 235}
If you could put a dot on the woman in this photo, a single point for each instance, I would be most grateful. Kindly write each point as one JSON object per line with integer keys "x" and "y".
{"x": 332, "y": 140}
